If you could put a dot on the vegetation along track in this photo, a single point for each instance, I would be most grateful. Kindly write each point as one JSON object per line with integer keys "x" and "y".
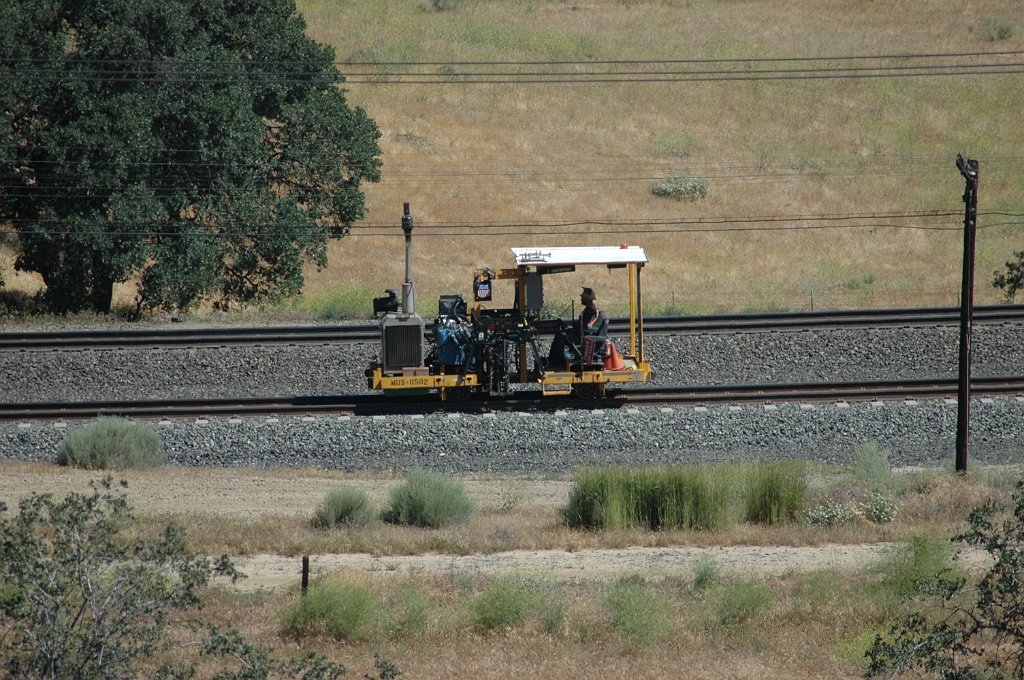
{"x": 522, "y": 401}
{"x": 369, "y": 332}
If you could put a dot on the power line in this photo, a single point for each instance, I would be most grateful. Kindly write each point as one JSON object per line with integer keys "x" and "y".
{"x": 777, "y": 223}
{"x": 275, "y": 76}
{"x": 559, "y": 233}
{"x": 192, "y": 72}
{"x": 192, "y": 184}
{"x": 102, "y": 192}
{"x": 430, "y": 168}
{"x": 544, "y": 78}
{"x": 880, "y": 157}
{"x": 722, "y": 219}
{"x": 735, "y": 60}
{"x": 542, "y": 62}
{"x": 835, "y": 74}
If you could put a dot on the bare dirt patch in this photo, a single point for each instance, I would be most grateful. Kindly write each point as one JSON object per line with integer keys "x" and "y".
{"x": 272, "y": 571}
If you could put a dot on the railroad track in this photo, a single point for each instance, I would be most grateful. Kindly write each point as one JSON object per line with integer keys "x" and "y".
{"x": 521, "y": 401}
{"x": 369, "y": 332}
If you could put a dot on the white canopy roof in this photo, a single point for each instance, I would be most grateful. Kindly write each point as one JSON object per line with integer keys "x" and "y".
{"x": 552, "y": 257}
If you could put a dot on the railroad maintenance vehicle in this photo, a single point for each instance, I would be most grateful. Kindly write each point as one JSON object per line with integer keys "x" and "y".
{"x": 472, "y": 349}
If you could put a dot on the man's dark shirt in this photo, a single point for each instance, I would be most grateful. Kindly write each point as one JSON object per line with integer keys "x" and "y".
{"x": 589, "y": 317}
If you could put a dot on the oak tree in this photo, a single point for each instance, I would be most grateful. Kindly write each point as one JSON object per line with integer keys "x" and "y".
{"x": 1011, "y": 280}
{"x": 964, "y": 629}
{"x": 202, "y": 148}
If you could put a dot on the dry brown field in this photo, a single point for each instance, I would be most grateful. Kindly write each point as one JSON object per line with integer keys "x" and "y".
{"x": 793, "y": 601}
{"x": 481, "y": 154}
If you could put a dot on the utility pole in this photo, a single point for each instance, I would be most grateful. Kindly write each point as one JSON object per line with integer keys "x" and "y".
{"x": 969, "y": 170}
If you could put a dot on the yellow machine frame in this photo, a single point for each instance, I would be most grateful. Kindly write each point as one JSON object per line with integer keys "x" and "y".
{"x": 547, "y": 261}
{"x": 635, "y": 368}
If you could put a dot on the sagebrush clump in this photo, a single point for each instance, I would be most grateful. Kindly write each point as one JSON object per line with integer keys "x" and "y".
{"x": 681, "y": 187}
{"x": 428, "y": 499}
{"x": 637, "y": 612}
{"x": 997, "y": 28}
{"x": 344, "y": 507}
{"x": 871, "y": 466}
{"x": 343, "y": 611}
{"x": 112, "y": 444}
{"x": 504, "y": 604}
{"x": 880, "y": 509}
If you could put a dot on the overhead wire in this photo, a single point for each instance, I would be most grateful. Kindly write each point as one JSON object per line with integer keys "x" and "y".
{"x": 860, "y": 57}
{"x": 194, "y": 71}
{"x": 948, "y": 221}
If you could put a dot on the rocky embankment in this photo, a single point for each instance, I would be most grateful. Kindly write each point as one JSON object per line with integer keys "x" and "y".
{"x": 915, "y": 434}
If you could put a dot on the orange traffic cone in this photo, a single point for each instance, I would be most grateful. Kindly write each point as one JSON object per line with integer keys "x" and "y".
{"x": 612, "y": 360}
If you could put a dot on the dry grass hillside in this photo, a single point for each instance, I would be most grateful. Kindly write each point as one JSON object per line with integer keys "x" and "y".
{"x": 524, "y": 153}
{"x": 471, "y": 156}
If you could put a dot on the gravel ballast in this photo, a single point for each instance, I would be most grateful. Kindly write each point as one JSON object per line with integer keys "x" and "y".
{"x": 915, "y": 434}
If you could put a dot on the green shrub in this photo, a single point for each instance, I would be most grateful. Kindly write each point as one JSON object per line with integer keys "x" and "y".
{"x": 705, "y": 573}
{"x": 664, "y": 498}
{"x": 776, "y": 492}
{"x": 738, "y": 603}
{"x": 428, "y": 499}
{"x": 997, "y": 28}
{"x": 254, "y": 661}
{"x": 344, "y": 507}
{"x": 343, "y": 611}
{"x": 681, "y": 187}
{"x": 922, "y": 558}
{"x": 1011, "y": 281}
{"x": 963, "y": 627}
{"x": 439, "y": 5}
{"x": 552, "y": 614}
{"x": 408, "y": 610}
{"x": 853, "y": 650}
{"x": 112, "y": 443}
{"x": 337, "y": 304}
{"x": 16, "y": 304}
{"x": 504, "y": 604}
{"x": 637, "y": 613}
{"x": 871, "y": 466}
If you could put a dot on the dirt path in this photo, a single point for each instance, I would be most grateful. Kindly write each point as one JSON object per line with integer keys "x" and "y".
{"x": 272, "y": 571}
{"x": 246, "y": 493}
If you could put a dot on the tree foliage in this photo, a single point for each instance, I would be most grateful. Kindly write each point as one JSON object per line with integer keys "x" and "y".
{"x": 1012, "y": 280}
{"x": 77, "y": 601}
{"x": 202, "y": 146}
{"x": 255, "y": 662}
{"x": 80, "y": 602}
{"x": 966, "y": 630}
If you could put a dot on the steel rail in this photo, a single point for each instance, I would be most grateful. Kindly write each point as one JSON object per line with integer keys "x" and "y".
{"x": 369, "y": 332}
{"x": 929, "y": 388}
{"x": 521, "y": 401}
